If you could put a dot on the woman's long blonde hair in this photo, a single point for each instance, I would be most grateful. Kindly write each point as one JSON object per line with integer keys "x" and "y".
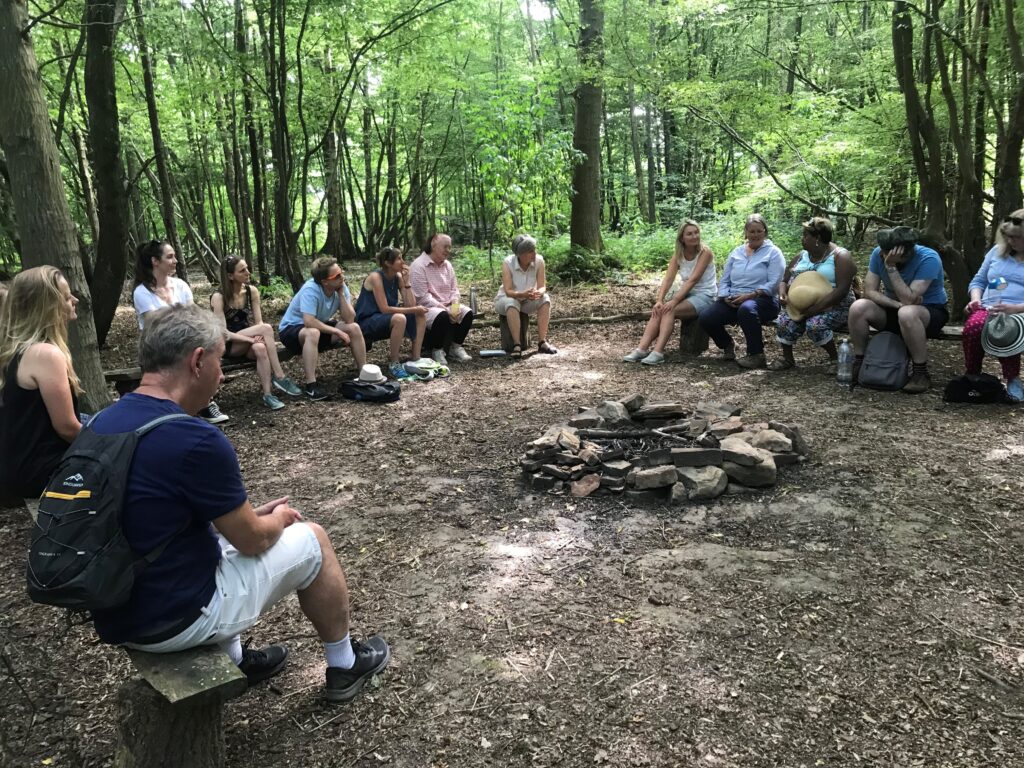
{"x": 35, "y": 312}
{"x": 680, "y": 249}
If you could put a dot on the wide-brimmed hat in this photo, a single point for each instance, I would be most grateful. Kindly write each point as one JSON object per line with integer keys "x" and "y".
{"x": 1003, "y": 335}
{"x": 371, "y": 374}
{"x": 806, "y": 290}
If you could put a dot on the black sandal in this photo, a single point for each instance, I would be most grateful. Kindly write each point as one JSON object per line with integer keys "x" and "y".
{"x": 517, "y": 351}
{"x": 546, "y": 349}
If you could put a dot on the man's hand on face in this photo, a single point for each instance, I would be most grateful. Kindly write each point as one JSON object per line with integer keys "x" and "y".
{"x": 894, "y": 257}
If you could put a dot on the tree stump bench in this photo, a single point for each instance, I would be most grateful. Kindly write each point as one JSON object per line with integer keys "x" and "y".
{"x": 173, "y": 716}
{"x": 692, "y": 339}
{"x": 127, "y": 379}
{"x": 506, "y": 335}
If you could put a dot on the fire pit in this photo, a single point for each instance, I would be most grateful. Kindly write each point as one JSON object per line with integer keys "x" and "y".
{"x": 660, "y": 451}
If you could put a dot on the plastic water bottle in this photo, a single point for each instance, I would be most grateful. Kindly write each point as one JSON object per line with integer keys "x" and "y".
{"x": 844, "y": 367}
{"x": 472, "y": 300}
{"x": 997, "y": 284}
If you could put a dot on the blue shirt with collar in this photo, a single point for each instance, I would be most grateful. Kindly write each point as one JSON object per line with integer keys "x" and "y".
{"x": 311, "y": 300}
{"x": 762, "y": 270}
{"x": 1001, "y": 277}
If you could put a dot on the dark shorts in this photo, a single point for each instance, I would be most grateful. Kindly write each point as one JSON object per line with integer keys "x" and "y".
{"x": 378, "y": 327}
{"x": 938, "y": 316}
{"x": 290, "y": 338}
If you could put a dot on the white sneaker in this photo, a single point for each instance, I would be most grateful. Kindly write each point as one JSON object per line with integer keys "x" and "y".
{"x": 459, "y": 353}
{"x": 635, "y": 356}
{"x": 655, "y": 358}
{"x": 439, "y": 357}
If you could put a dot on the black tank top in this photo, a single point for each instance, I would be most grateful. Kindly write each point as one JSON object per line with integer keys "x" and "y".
{"x": 32, "y": 449}
{"x": 241, "y": 318}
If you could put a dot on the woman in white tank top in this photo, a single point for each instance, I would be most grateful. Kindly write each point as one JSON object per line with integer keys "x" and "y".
{"x": 694, "y": 265}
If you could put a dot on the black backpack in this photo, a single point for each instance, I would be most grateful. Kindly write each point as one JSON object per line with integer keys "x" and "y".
{"x": 975, "y": 388}
{"x": 78, "y": 557}
{"x": 384, "y": 392}
{"x": 886, "y": 363}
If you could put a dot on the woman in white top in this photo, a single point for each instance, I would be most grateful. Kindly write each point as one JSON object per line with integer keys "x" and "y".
{"x": 156, "y": 287}
{"x": 694, "y": 264}
{"x": 523, "y": 291}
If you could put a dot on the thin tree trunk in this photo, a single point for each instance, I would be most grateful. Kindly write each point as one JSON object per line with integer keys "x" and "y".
{"x": 585, "y": 217}
{"x": 44, "y": 218}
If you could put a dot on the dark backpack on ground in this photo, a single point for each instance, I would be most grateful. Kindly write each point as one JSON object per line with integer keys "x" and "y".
{"x": 384, "y": 392}
{"x": 78, "y": 557}
{"x": 975, "y": 388}
{"x": 886, "y": 363}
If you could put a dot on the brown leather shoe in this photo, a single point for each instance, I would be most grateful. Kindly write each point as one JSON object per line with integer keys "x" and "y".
{"x": 919, "y": 382}
{"x": 751, "y": 361}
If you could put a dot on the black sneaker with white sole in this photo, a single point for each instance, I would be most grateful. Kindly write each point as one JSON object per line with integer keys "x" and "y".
{"x": 213, "y": 414}
{"x": 262, "y": 663}
{"x": 314, "y": 391}
{"x": 372, "y": 656}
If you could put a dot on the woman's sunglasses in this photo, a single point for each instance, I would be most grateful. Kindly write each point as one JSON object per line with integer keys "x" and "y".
{"x": 1017, "y": 221}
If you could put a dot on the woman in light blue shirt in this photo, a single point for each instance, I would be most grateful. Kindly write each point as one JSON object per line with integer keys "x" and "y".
{"x": 747, "y": 294}
{"x": 998, "y": 287}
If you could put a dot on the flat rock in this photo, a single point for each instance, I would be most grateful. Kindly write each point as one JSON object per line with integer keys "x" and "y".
{"x": 568, "y": 439}
{"x": 792, "y": 431}
{"x": 707, "y": 440}
{"x": 787, "y": 459}
{"x": 617, "y": 468}
{"x": 703, "y": 482}
{"x": 585, "y": 486}
{"x": 739, "y": 451}
{"x": 544, "y": 442}
{"x": 756, "y": 476}
{"x": 542, "y": 453}
{"x": 613, "y": 412}
{"x": 634, "y": 402}
{"x": 696, "y": 427}
{"x": 714, "y": 411}
{"x": 656, "y": 477}
{"x": 696, "y": 457}
{"x": 658, "y": 457}
{"x": 648, "y": 495}
{"x": 566, "y": 457}
{"x": 631, "y": 475}
{"x": 725, "y": 427}
{"x": 561, "y": 473}
{"x": 589, "y": 456}
{"x": 745, "y": 436}
{"x": 586, "y": 420}
{"x": 772, "y": 441}
{"x": 607, "y": 481}
{"x": 539, "y": 482}
{"x": 530, "y": 465}
{"x": 735, "y": 489}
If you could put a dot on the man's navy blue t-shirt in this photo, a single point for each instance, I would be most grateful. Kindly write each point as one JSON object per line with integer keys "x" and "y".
{"x": 184, "y": 471}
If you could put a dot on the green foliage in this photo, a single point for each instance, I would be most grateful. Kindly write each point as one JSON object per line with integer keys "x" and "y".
{"x": 279, "y": 288}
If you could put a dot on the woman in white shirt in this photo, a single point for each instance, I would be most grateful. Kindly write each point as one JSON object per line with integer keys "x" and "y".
{"x": 157, "y": 287}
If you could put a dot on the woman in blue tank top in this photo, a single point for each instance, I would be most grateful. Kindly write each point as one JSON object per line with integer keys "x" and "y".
{"x": 828, "y": 311}
{"x": 386, "y": 309}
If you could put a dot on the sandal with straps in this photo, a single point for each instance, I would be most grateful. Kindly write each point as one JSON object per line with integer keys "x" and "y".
{"x": 517, "y": 351}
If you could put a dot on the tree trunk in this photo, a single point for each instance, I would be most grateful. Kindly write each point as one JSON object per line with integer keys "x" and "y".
{"x": 255, "y": 157}
{"x": 1008, "y": 182}
{"x": 44, "y": 218}
{"x": 164, "y": 176}
{"x": 585, "y": 218}
{"x": 112, "y": 248}
{"x": 634, "y": 144}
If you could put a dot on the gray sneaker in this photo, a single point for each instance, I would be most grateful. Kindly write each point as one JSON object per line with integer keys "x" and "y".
{"x": 635, "y": 356}
{"x": 272, "y": 402}
{"x": 286, "y": 385}
{"x": 655, "y": 358}
{"x": 372, "y": 657}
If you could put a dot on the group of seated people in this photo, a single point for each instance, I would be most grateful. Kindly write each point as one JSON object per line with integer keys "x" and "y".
{"x": 813, "y": 294}
{"x": 226, "y": 562}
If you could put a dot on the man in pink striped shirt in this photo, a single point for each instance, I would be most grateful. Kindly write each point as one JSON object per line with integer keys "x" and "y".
{"x": 434, "y": 286}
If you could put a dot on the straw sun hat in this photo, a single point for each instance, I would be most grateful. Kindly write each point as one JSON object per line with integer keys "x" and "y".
{"x": 806, "y": 290}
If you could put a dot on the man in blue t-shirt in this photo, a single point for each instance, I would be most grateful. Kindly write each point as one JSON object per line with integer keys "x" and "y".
{"x": 903, "y": 293}
{"x": 308, "y": 326}
{"x": 225, "y": 562}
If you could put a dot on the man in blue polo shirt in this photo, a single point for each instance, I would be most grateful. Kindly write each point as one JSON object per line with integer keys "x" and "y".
{"x": 225, "y": 562}
{"x": 308, "y": 326}
{"x": 903, "y": 293}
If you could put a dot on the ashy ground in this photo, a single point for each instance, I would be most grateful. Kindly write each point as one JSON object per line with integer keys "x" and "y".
{"x": 866, "y": 611}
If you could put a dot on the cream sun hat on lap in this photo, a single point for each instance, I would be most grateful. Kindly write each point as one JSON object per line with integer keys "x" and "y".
{"x": 806, "y": 290}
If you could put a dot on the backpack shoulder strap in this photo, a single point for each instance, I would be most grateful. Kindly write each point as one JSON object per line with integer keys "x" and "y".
{"x": 151, "y": 425}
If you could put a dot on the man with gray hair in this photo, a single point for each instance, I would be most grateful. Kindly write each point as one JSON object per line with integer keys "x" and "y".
{"x": 224, "y": 562}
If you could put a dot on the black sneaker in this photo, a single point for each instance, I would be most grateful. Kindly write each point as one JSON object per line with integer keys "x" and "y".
{"x": 213, "y": 414}
{"x": 259, "y": 665}
{"x": 315, "y": 392}
{"x": 371, "y": 657}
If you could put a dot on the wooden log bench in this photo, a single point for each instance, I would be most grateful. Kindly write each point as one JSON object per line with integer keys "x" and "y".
{"x": 506, "y": 335}
{"x": 127, "y": 379}
{"x": 173, "y": 716}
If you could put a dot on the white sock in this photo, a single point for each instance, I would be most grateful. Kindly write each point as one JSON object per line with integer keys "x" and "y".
{"x": 233, "y": 648}
{"x": 340, "y": 654}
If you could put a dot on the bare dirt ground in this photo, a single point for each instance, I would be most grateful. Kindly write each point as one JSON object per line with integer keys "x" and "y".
{"x": 866, "y": 611}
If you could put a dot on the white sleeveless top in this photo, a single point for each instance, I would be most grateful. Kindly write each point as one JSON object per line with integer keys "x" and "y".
{"x": 708, "y": 282}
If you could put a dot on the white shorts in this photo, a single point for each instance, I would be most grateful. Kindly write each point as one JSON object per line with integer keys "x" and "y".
{"x": 503, "y": 304}
{"x": 249, "y": 586}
